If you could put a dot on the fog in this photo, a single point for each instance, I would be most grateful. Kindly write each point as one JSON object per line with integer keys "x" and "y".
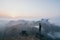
{"x": 49, "y": 28}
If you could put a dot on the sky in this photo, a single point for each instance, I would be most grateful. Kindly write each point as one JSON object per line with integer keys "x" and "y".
{"x": 30, "y": 9}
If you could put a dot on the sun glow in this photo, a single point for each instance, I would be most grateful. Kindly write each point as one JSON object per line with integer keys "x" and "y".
{"x": 13, "y": 15}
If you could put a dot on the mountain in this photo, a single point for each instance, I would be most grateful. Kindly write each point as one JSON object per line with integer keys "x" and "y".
{"x": 15, "y": 27}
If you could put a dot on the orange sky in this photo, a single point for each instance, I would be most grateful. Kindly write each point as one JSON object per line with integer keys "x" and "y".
{"x": 13, "y": 15}
{"x": 4, "y": 14}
